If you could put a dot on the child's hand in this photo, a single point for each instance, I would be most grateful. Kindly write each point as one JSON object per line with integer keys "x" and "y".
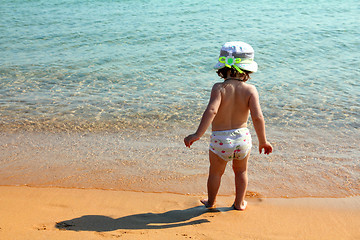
{"x": 267, "y": 148}
{"x": 189, "y": 140}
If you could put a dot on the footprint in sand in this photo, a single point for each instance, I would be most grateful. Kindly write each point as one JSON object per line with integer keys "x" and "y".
{"x": 41, "y": 228}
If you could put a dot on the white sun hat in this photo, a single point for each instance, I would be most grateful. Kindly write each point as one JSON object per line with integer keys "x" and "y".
{"x": 237, "y": 54}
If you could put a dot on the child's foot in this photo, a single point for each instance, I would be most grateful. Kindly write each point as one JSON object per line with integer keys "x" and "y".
{"x": 242, "y": 206}
{"x": 206, "y": 203}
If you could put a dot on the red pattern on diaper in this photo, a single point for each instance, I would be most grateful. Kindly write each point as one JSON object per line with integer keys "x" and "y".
{"x": 228, "y": 148}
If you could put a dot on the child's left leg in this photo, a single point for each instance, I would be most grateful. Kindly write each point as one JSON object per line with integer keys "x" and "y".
{"x": 217, "y": 169}
{"x": 241, "y": 182}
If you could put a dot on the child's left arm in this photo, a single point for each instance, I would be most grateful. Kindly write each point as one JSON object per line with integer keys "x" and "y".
{"x": 208, "y": 116}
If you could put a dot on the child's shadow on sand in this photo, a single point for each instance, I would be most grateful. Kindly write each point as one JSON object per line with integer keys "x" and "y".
{"x": 171, "y": 219}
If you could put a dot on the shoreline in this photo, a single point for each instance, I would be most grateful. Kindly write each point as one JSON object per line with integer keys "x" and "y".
{"x": 61, "y": 213}
{"x": 249, "y": 194}
{"x": 158, "y": 161}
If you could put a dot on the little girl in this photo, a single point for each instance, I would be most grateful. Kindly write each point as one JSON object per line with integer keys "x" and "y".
{"x": 228, "y": 111}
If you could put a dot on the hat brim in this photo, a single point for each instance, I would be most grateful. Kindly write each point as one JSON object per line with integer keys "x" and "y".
{"x": 251, "y": 67}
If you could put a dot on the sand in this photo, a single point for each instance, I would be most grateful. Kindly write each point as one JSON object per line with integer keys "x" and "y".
{"x": 61, "y": 213}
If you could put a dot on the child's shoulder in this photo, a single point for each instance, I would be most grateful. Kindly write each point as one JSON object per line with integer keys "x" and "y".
{"x": 250, "y": 87}
{"x": 217, "y": 86}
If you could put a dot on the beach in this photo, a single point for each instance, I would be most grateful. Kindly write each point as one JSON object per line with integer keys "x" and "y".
{"x": 60, "y": 213}
{"x": 123, "y": 185}
{"x": 96, "y": 98}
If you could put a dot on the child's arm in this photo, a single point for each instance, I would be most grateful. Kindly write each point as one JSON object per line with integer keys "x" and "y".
{"x": 207, "y": 117}
{"x": 259, "y": 122}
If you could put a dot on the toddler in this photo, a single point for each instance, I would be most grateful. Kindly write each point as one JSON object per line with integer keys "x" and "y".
{"x": 231, "y": 102}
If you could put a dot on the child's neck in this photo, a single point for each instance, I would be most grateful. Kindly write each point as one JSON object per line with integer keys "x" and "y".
{"x": 234, "y": 78}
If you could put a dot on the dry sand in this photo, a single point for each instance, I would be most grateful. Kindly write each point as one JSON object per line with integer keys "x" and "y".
{"x": 59, "y": 213}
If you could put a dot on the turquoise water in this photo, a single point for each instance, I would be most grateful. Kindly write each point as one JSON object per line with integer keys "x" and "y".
{"x": 101, "y": 93}
{"x": 105, "y": 64}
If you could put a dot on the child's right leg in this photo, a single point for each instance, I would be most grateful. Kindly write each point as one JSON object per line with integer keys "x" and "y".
{"x": 241, "y": 182}
{"x": 217, "y": 169}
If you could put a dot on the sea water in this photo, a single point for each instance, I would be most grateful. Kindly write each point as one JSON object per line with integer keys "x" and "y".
{"x": 104, "y": 72}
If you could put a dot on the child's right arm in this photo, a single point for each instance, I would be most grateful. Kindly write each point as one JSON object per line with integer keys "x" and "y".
{"x": 259, "y": 122}
{"x": 208, "y": 116}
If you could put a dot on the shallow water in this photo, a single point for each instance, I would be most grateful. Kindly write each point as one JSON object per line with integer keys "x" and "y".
{"x": 103, "y": 69}
{"x": 303, "y": 164}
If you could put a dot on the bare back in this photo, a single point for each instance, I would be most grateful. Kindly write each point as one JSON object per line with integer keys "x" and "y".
{"x": 234, "y": 109}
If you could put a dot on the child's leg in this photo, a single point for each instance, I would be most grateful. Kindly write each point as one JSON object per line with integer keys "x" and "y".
{"x": 241, "y": 182}
{"x": 216, "y": 170}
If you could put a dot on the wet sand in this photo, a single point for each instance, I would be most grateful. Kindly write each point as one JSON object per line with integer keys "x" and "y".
{"x": 134, "y": 185}
{"x": 60, "y": 213}
{"x": 303, "y": 164}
